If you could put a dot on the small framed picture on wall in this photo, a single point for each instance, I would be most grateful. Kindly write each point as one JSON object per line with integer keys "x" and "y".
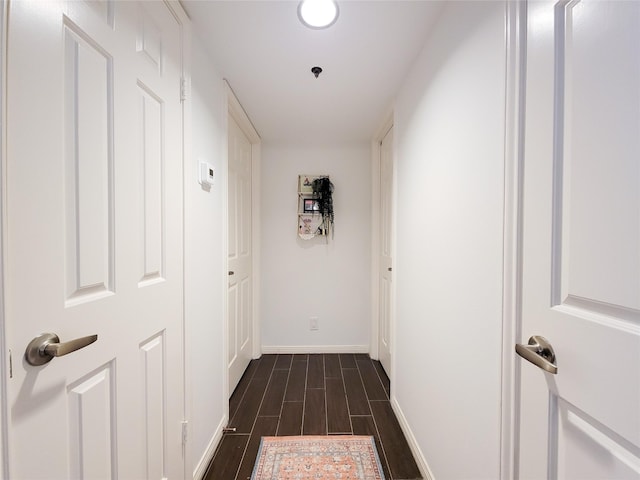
{"x": 311, "y": 205}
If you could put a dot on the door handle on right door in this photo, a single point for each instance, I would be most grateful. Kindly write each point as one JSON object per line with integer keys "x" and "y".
{"x": 539, "y": 352}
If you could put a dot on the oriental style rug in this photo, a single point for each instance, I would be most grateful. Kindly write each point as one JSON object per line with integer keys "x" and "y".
{"x": 318, "y": 458}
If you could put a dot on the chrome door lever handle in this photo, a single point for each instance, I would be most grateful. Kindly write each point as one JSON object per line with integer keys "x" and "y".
{"x": 45, "y": 347}
{"x": 539, "y": 352}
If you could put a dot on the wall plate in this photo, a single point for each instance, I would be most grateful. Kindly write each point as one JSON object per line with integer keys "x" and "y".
{"x": 207, "y": 174}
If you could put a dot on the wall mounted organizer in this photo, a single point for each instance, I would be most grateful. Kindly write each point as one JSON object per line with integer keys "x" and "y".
{"x": 315, "y": 206}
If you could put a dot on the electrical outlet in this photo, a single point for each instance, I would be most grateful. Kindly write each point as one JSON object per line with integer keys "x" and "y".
{"x": 313, "y": 323}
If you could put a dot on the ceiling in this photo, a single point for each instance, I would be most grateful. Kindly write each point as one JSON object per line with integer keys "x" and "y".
{"x": 265, "y": 53}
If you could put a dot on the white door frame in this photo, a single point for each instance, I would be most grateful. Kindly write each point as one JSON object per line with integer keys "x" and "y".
{"x": 515, "y": 39}
{"x": 185, "y": 32}
{"x": 376, "y": 143}
{"x": 4, "y": 424}
{"x": 238, "y": 113}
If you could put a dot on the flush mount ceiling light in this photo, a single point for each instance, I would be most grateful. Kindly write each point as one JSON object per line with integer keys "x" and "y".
{"x": 318, "y": 13}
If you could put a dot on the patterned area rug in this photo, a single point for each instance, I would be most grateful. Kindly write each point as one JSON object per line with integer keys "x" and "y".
{"x": 318, "y": 458}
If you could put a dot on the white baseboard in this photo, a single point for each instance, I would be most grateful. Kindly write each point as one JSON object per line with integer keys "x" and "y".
{"x": 201, "y": 468}
{"x": 269, "y": 349}
{"x": 425, "y": 471}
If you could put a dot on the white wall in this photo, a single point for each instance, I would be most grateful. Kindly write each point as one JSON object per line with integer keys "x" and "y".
{"x": 204, "y": 259}
{"x": 301, "y": 279}
{"x": 450, "y": 131}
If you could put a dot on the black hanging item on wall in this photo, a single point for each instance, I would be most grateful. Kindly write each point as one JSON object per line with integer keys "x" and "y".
{"x": 323, "y": 192}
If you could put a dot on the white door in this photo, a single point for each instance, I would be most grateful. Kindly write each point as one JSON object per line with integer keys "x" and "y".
{"x": 386, "y": 264}
{"x": 581, "y": 251}
{"x": 94, "y": 238}
{"x": 239, "y": 254}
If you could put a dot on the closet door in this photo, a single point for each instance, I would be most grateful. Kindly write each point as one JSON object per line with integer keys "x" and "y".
{"x": 240, "y": 302}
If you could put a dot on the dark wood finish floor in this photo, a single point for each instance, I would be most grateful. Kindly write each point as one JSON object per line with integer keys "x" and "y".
{"x": 315, "y": 394}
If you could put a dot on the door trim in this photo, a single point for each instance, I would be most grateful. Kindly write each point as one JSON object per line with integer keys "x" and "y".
{"x": 4, "y": 412}
{"x": 235, "y": 109}
{"x": 175, "y": 7}
{"x": 376, "y": 142}
{"x": 515, "y": 43}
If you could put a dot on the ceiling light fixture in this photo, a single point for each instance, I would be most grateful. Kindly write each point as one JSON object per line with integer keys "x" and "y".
{"x": 318, "y": 13}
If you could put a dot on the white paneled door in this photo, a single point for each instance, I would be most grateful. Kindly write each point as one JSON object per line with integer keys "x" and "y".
{"x": 94, "y": 238}
{"x": 581, "y": 251}
{"x": 386, "y": 264}
{"x": 240, "y": 303}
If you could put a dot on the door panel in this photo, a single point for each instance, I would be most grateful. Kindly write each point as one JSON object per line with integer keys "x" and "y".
{"x": 240, "y": 301}
{"x": 386, "y": 263}
{"x": 151, "y": 225}
{"x": 94, "y": 238}
{"x": 89, "y": 168}
{"x": 92, "y": 420}
{"x": 581, "y": 264}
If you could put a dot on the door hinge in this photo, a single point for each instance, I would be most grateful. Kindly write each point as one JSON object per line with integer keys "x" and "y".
{"x": 184, "y": 89}
{"x": 10, "y": 365}
{"x": 184, "y": 432}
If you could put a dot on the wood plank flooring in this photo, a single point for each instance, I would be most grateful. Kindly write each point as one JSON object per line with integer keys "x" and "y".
{"x": 314, "y": 394}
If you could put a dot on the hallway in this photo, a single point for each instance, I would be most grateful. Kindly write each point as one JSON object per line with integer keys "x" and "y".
{"x": 485, "y": 163}
{"x": 312, "y": 394}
